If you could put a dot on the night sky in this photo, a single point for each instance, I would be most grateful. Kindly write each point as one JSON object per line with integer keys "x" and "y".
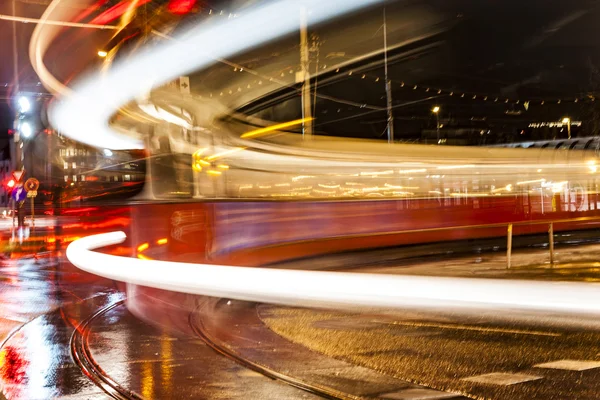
{"x": 520, "y": 49}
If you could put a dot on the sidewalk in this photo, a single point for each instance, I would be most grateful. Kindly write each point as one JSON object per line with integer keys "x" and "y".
{"x": 572, "y": 263}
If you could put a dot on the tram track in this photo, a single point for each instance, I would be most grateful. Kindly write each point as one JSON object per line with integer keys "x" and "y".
{"x": 319, "y": 390}
{"x": 82, "y": 356}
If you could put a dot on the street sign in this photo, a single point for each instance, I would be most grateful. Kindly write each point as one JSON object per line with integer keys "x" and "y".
{"x": 32, "y": 185}
{"x": 17, "y": 175}
{"x": 184, "y": 84}
{"x": 32, "y": 193}
{"x": 19, "y": 194}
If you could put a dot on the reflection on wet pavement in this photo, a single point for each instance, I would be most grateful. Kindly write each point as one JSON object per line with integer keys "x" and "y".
{"x": 36, "y": 360}
{"x": 34, "y": 363}
{"x": 159, "y": 365}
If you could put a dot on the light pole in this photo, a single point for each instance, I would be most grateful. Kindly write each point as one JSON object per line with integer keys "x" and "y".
{"x": 436, "y": 111}
{"x": 567, "y": 121}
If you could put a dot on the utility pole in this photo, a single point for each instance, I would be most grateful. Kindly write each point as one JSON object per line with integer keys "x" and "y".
{"x": 18, "y": 157}
{"x": 304, "y": 77}
{"x": 388, "y": 85}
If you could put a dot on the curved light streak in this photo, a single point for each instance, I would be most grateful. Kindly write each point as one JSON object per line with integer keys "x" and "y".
{"x": 333, "y": 289}
{"x": 84, "y": 116}
{"x": 57, "y": 23}
{"x": 42, "y": 36}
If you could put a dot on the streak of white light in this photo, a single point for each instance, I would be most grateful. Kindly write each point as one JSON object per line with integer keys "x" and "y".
{"x": 162, "y": 114}
{"x": 41, "y": 38}
{"x": 57, "y": 23}
{"x": 456, "y": 166}
{"x": 331, "y": 289}
{"x": 84, "y": 116}
{"x": 532, "y": 181}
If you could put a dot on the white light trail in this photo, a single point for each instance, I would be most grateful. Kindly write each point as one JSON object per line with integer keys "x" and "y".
{"x": 57, "y": 23}
{"x": 84, "y": 115}
{"x": 333, "y": 289}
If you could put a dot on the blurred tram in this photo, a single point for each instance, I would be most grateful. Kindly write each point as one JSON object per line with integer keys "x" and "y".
{"x": 258, "y": 201}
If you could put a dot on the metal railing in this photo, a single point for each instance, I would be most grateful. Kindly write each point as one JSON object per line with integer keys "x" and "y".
{"x": 509, "y": 234}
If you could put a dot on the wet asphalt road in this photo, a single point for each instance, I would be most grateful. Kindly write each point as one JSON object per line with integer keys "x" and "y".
{"x": 156, "y": 352}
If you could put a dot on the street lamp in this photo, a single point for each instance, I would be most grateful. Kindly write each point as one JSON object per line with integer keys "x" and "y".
{"x": 436, "y": 111}
{"x": 567, "y": 121}
{"x": 24, "y": 104}
{"x": 25, "y": 129}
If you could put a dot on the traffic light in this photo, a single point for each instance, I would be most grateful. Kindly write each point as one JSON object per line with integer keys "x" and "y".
{"x": 181, "y": 7}
{"x": 11, "y": 183}
{"x": 28, "y": 120}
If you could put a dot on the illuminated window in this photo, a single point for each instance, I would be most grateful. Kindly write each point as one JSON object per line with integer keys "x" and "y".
{"x": 74, "y": 164}
{"x": 66, "y": 178}
{"x": 82, "y": 178}
{"x": 116, "y": 178}
{"x": 127, "y": 177}
{"x": 74, "y": 178}
{"x": 66, "y": 165}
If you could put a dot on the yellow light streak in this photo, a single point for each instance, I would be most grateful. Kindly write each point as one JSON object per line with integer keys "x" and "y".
{"x": 329, "y": 186}
{"x": 269, "y": 129}
{"x": 533, "y": 181}
{"x": 162, "y": 241}
{"x": 213, "y": 172}
{"x": 199, "y": 152}
{"x": 223, "y": 166}
{"x": 388, "y": 172}
{"x": 142, "y": 247}
{"x": 225, "y": 153}
{"x": 456, "y": 166}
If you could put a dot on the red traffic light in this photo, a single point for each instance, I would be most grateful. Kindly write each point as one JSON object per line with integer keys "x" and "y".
{"x": 181, "y": 7}
{"x": 11, "y": 183}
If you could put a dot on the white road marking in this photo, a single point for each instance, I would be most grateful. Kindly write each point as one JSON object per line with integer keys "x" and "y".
{"x": 570, "y": 365}
{"x": 418, "y": 394}
{"x": 502, "y": 378}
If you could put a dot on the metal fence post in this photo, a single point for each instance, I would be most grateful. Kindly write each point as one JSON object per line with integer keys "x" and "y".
{"x": 551, "y": 242}
{"x": 508, "y": 245}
